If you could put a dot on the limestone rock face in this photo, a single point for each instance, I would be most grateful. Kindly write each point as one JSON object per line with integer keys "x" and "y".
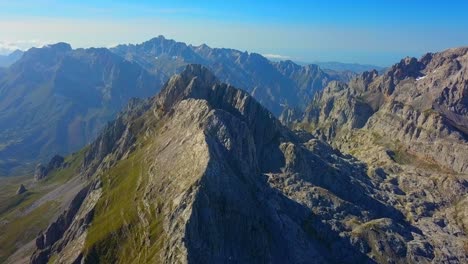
{"x": 422, "y": 103}
{"x": 202, "y": 173}
{"x": 409, "y": 125}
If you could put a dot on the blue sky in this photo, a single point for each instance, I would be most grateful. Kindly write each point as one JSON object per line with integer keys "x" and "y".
{"x": 375, "y": 32}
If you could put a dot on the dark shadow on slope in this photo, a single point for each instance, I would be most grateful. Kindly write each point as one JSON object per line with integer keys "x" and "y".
{"x": 237, "y": 217}
{"x": 240, "y": 219}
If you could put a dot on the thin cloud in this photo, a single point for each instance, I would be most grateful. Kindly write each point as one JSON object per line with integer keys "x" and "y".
{"x": 7, "y": 47}
{"x": 276, "y": 56}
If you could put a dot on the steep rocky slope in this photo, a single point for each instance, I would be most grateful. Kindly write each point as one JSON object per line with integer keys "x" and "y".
{"x": 409, "y": 126}
{"x": 54, "y": 100}
{"x": 421, "y": 103}
{"x": 202, "y": 173}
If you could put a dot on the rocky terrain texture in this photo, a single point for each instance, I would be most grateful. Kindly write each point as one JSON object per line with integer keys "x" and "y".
{"x": 54, "y": 100}
{"x": 202, "y": 173}
{"x": 409, "y": 125}
{"x": 422, "y": 103}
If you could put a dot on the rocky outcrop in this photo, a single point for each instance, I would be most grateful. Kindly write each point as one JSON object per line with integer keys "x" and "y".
{"x": 21, "y": 190}
{"x": 46, "y": 240}
{"x": 42, "y": 171}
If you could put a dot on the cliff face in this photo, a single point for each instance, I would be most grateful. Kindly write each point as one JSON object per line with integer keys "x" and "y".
{"x": 422, "y": 103}
{"x": 203, "y": 173}
{"x": 409, "y": 126}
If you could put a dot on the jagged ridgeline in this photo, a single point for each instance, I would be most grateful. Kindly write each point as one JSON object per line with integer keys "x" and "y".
{"x": 202, "y": 173}
{"x": 410, "y": 126}
{"x": 55, "y": 99}
{"x": 421, "y": 103}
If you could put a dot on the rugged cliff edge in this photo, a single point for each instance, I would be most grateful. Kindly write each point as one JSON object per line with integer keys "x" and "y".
{"x": 409, "y": 125}
{"x": 202, "y": 173}
{"x": 421, "y": 103}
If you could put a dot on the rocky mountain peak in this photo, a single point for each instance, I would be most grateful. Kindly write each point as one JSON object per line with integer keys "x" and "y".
{"x": 193, "y": 81}
{"x": 407, "y": 67}
{"x": 16, "y": 53}
{"x": 198, "y": 71}
{"x": 426, "y": 58}
{"x": 60, "y": 47}
{"x": 369, "y": 76}
{"x": 37, "y": 59}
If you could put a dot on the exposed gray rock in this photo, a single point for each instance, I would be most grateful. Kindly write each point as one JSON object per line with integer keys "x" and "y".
{"x": 21, "y": 190}
{"x": 56, "y": 230}
{"x": 422, "y": 103}
{"x": 413, "y": 138}
{"x": 42, "y": 171}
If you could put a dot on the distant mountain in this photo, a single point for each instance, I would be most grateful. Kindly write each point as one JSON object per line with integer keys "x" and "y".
{"x": 352, "y": 67}
{"x": 269, "y": 82}
{"x": 54, "y": 100}
{"x": 7, "y": 60}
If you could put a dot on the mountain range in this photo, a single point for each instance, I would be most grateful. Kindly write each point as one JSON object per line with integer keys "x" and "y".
{"x": 360, "y": 168}
{"x": 175, "y": 176}
{"x": 55, "y": 99}
{"x": 274, "y": 84}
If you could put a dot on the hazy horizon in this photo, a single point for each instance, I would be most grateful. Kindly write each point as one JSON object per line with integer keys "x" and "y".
{"x": 362, "y": 32}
